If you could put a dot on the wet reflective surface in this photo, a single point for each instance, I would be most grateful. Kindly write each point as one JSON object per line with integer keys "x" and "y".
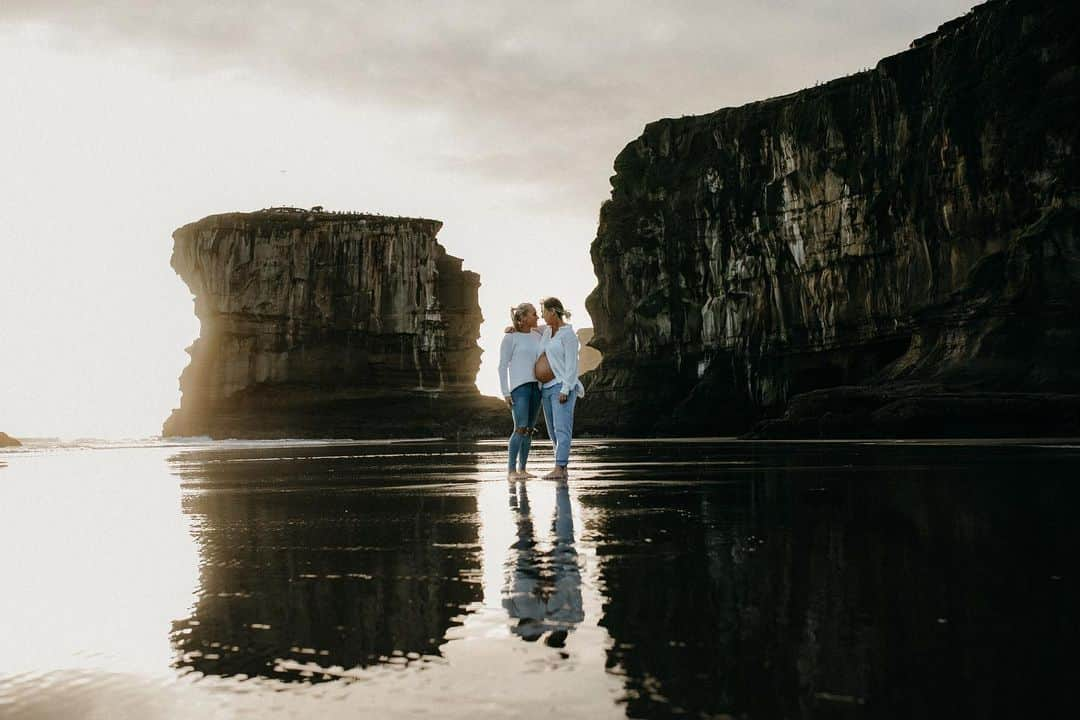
{"x": 666, "y": 579}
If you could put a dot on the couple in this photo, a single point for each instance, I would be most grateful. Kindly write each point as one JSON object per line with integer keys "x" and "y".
{"x": 541, "y": 367}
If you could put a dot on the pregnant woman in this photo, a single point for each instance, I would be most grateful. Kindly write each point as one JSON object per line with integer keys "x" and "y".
{"x": 517, "y": 360}
{"x": 557, "y": 370}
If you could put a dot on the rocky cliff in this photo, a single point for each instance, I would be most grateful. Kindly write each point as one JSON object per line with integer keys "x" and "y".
{"x": 8, "y": 441}
{"x": 908, "y": 233}
{"x": 326, "y": 324}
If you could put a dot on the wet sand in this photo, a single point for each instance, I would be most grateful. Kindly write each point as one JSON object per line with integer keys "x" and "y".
{"x": 666, "y": 579}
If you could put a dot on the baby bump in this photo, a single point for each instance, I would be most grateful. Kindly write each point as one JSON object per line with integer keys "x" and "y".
{"x": 542, "y": 369}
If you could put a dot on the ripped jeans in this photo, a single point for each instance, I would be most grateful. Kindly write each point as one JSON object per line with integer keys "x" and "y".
{"x": 525, "y": 411}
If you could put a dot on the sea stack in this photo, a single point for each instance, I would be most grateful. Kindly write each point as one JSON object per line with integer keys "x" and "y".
{"x": 324, "y": 324}
{"x": 892, "y": 253}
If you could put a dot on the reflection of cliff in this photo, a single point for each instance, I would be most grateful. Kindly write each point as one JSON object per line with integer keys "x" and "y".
{"x": 325, "y": 324}
{"x": 901, "y": 594}
{"x": 917, "y": 223}
{"x": 330, "y": 575}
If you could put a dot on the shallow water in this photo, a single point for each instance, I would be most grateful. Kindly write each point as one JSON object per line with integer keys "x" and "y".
{"x": 666, "y": 579}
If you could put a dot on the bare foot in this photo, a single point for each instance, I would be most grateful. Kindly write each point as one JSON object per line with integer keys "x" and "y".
{"x": 525, "y": 474}
{"x": 559, "y": 473}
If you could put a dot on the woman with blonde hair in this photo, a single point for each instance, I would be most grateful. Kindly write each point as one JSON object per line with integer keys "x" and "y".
{"x": 560, "y": 388}
{"x": 517, "y": 380}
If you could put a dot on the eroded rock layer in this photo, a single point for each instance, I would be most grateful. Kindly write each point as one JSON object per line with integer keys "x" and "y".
{"x": 914, "y": 225}
{"x": 325, "y": 324}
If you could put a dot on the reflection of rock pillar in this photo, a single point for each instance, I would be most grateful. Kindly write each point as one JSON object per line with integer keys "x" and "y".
{"x": 340, "y": 580}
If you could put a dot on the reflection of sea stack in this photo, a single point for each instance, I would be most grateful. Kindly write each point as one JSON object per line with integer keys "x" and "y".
{"x": 321, "y": 575}
{"x": 8, "y": 441}
{"x": 327, "y": 324}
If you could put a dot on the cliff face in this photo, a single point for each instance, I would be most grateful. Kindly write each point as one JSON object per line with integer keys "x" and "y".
{"x": 913, "y": 225}
{"x": 327, "y": 324}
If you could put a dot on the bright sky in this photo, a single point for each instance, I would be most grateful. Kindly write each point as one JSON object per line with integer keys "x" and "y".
{"x": 123, "y": 119}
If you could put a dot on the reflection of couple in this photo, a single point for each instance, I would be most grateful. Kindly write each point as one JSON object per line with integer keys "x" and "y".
{"x": 539, "y": 368}
{"x": 543, "y": 590}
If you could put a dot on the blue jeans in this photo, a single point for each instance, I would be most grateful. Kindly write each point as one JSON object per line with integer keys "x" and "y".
{"x": 525, "y": 411}
{"x": 560, "y": 421}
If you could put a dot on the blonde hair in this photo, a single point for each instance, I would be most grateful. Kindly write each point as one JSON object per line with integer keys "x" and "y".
{"x": 556, "y": 306}
{"x": 518, "y": 313}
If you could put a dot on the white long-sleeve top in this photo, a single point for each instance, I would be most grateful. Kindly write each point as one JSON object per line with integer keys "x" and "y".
{"x": 562, "y": 354}
{"x": 517, "y": 360}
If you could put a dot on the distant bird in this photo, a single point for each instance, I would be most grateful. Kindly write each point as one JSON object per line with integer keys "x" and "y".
{"x": 283, "y": 171}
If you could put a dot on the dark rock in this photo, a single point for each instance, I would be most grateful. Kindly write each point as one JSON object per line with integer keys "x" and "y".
{"x": 912, "y": 225}
{"x": 317, "y": 324}
{"x": 921, "y": 411}
{"x": 8, "y": 441}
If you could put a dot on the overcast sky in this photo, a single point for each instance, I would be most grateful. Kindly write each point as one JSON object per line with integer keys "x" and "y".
{"x": 122, "y": 120}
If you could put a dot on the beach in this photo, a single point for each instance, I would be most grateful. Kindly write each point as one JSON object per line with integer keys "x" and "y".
{"x": 697, "y": 578}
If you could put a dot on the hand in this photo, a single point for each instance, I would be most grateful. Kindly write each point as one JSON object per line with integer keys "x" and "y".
{"x": 509, "y": 401}
{"x": 563, "y": 397}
